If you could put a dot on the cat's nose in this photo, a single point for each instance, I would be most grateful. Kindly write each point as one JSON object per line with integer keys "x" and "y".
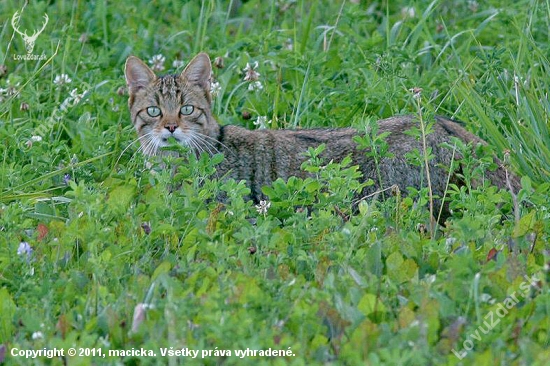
{"x": 171, "y": 127}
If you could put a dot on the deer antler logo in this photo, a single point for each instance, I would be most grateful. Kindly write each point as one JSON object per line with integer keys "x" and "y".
{"x": 29, "y": 40}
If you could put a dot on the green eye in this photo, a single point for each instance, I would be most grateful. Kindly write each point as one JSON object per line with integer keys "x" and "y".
{"x": 187, "y": 110}
{"x": 153, "y": 111}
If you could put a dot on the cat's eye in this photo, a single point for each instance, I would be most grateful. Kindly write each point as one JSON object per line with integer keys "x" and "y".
{"x": 187, "y": 110}
{"x": 153, "y": 111}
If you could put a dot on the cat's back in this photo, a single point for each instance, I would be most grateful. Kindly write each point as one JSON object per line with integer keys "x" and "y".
{"x": 293, "y": 143}
{"x": 286, "y": 140}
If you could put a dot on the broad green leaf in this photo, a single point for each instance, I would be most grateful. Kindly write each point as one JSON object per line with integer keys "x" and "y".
{"x": 120, "y": 198}
{"x": 162, "y": 268}
{"x": 369, "y": 304}
{"x": 525, "y": 224}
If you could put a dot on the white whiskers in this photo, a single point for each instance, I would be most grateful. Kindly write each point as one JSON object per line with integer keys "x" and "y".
{"x": 139, "y": 139}
{"x": 212, "y": 142}
{"x": 149, "y": 144}
{"x": 199, "y": 143}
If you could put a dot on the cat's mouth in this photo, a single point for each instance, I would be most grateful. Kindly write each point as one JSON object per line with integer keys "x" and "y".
{"x": 166, "y": 139}
{"x": 166, "y": 142}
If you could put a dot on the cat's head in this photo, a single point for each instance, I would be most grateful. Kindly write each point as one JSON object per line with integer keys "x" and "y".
{"x": 177, "y": 106}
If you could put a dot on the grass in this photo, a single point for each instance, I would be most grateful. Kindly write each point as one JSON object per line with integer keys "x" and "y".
{"x": 118, "y": 260}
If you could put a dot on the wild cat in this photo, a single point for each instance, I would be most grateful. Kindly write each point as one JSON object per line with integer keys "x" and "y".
{"x": 179, "y": 106}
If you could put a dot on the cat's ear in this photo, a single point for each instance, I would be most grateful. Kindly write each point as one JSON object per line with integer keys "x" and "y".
{"x": 199, "y": 71}
{"x": 138, "y": 75}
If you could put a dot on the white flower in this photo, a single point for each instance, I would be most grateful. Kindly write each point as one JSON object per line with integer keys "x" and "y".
{"x": 417, "y": 92}
{"x": 36, "y": 138}
{"x": 262, "y": 122}
{"x": 250, "y": 73}
{"x": 157, "y": 62}
{"x": 215, "y": 88}
{"x": 37, "y": 335}
{"x": 263, "y": 207}
{"x": 76, "y": 97}
{"x": 3, "y": 94}
{"x": 177, "y": 64}
{"x": 62, "y": 79}
{"x": 256, "y": 85}
{"x": 8, "y": 92}
{"x": 408, "y": 12}
{"x": 289, "y": 44}
{"x": 73, "y": 99}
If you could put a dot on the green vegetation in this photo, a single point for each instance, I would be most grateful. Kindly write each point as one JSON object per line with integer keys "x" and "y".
{"x": 100, "y": 249}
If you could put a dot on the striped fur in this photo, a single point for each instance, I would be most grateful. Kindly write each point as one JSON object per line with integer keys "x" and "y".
{"x": 261, "y": 156}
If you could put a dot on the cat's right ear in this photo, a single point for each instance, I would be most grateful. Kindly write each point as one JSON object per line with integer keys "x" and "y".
{"x": 138, "y": 75}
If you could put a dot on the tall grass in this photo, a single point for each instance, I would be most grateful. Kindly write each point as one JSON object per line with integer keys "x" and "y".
{"x": 98, "y": 249}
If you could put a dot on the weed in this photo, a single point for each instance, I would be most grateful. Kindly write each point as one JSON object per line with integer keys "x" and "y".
{"x": 101, "y": 248}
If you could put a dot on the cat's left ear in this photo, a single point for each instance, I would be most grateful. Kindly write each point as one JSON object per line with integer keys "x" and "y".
{"x": 199, "y": 71}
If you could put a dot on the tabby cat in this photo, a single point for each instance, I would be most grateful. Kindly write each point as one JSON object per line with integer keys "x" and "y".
{"x": 179, "y": 106}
